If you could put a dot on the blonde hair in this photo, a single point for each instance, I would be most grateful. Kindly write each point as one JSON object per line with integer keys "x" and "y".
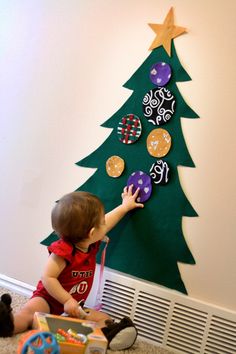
{"x": 75, "y": 214}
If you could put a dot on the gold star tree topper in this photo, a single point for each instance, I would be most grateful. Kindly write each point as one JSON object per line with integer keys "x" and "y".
{"x": 166, "y": 32}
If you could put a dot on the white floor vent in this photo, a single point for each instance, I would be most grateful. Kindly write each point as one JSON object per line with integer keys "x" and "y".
{"x": 151, "y": 315}
{"x": 186, "y": 330}
{"x": 169, "y": 319}
{"x": 221, "y": 336}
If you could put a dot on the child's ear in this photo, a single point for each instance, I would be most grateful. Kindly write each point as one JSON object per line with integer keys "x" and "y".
{"x": 91, "y": 232}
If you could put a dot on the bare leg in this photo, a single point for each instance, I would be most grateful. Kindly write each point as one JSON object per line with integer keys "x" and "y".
{"x": 24, "y": 319}
{"x": 99, "y": 317}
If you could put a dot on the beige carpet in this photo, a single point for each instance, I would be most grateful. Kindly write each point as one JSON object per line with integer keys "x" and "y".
{"x": 9, "y": 345}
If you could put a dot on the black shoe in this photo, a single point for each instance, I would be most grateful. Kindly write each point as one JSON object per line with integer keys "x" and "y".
{"x": 6, "y": 317}
{"x": 120, "y": 335}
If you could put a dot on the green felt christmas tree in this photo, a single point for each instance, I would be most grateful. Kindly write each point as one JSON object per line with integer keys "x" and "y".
{"x": 148, "y": 243}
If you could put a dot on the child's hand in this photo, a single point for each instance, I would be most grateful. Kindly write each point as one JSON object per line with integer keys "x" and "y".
{"x": 71, "y": 308}
{"x": 129, "y": 199}
{"x": 128, "y": 203}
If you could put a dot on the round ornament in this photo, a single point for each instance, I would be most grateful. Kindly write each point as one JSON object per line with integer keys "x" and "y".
{"x": 158, "y": 142}
{"x": 144, "y": 182}
{"x": 158, "y": 106}
{"x": 129, "y": 129}
{"x": 159, "y": 172}
{"x": 160, "y": 73}
{"x": 115, "y": 166}
{"x": 38, "y": 342}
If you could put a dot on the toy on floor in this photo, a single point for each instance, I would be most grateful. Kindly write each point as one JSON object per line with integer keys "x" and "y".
{"x": 6, "y": 318}
{"x": 121, "y": 335}
{"x": 70, "y": 336}
{"x": 38, "y": 342}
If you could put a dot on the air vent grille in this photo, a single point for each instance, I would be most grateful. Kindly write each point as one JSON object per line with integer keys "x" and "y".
{"x": 117, "y": 299}
{"x": 169, "y": 319}
{"x": 151, "y": 315}
{"x": 187, "y": 328}
{"x": 221, "y": 336}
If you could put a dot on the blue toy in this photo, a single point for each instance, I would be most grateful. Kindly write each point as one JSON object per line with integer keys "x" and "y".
{"x": 38, "y": 342}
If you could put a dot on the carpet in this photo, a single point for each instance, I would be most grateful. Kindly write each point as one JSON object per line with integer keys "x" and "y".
{"x": 9, "y": 345}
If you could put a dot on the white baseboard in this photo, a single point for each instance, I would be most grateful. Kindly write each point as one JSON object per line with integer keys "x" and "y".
{"x": 16, "y": 285}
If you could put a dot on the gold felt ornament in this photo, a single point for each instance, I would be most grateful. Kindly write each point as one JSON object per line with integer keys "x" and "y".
{"x": 115, "y": 166}
{"x": 158, "y": 142}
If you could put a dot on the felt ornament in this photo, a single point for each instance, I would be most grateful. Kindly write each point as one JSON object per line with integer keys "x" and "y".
{"x": 129, "y": 129}
{"x": 115, "y": 166}
{"x": 158, "y": 142}
{"x": 141, "y": 180}
{"x": 166, "y": 32}
{"x": 159, "y": 172}
{"x": 160, "y": 73}
{"x": 158, "y": 106}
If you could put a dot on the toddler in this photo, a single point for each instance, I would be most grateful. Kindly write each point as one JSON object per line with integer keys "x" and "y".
{"x": 79, "y": 220}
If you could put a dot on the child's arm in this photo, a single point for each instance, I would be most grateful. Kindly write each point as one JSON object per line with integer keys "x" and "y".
{"x": 128, "y": 203}
{"x": 53, "y": 269}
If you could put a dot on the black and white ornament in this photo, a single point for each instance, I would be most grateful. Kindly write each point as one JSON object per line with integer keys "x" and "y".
{"x": 158, "y": 106}
{"x": 159, "y": 172}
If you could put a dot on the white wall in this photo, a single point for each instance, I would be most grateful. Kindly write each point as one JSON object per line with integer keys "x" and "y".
{"x": 62, "y": 67}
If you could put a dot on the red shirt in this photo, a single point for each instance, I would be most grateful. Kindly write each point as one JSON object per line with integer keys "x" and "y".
{"x": 76, "y": 277}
